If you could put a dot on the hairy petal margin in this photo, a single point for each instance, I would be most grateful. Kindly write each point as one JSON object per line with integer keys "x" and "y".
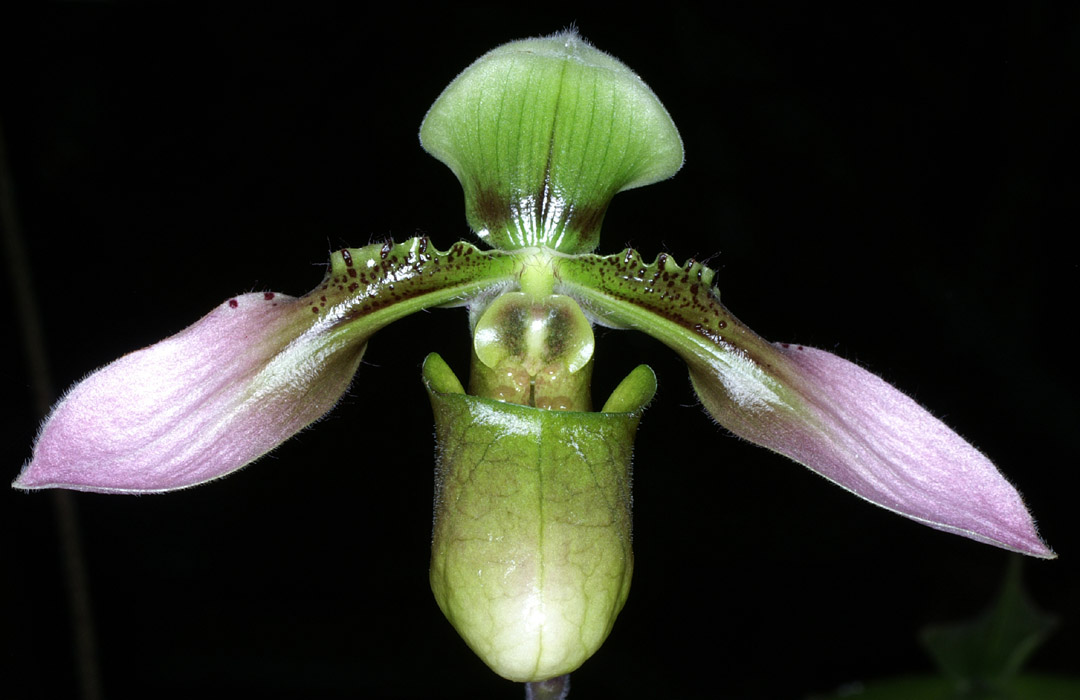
{"x": 824, "y": 412}
{"x": 197, "y": 405}
{"x": 246, "y": 377}
{"x": 865, "y": 435}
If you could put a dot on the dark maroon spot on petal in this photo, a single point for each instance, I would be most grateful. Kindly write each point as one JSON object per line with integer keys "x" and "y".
{"x": 347, "y": 257}
{"x": 268, "y": 296}
{"x": 352, "y": 272}
{"x": 233, "y": 303}
{"x": 785, "y": 345}
{"x": 353, "y": 287}
{"x": 314, "y": 309}
{"x": 323, "y": 299}
{"x": 385, "y": 250}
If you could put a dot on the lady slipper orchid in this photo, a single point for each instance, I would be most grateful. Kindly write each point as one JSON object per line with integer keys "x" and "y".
{"x": 531, "y": 557}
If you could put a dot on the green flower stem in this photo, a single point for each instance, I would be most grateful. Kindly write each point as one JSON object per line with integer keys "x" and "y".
{"x": 552, "y": 689}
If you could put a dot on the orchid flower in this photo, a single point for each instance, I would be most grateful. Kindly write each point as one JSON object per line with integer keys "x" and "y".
{"x": 531, "y": 556}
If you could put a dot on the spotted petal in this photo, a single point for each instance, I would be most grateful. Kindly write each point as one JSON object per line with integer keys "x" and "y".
{"x": 829, "y": 414}
{"x": 246, "y": 377}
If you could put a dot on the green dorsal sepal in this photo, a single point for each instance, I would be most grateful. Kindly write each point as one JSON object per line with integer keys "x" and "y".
{"x": 542, "y": 133}
{"x": 530, "y": 557}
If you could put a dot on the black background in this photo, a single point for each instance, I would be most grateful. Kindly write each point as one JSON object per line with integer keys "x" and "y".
{"x": 888, "y": 184}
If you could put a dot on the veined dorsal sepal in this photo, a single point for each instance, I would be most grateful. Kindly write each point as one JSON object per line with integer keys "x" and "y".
{"x": 542, "y": 133}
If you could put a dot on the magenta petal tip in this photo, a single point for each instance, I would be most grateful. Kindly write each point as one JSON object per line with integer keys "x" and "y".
{"x": 886, "y": 448}
{"x": 195, "y": 406}
{"x": 856, "y": 430}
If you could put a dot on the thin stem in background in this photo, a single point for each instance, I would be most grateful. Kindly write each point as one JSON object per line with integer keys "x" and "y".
{"x": 64, "y": 506}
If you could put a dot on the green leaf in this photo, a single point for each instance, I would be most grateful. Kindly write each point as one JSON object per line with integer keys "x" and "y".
{"x": 531, "y": 556}
{"x": 980, "y": 659}
{"x": 1023, "y": 687}
{"x": 990, "y": 650}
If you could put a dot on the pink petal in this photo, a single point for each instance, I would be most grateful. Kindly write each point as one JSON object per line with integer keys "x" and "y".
{"x": 194, "y": 407}
{"x": 855, "y": 429}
